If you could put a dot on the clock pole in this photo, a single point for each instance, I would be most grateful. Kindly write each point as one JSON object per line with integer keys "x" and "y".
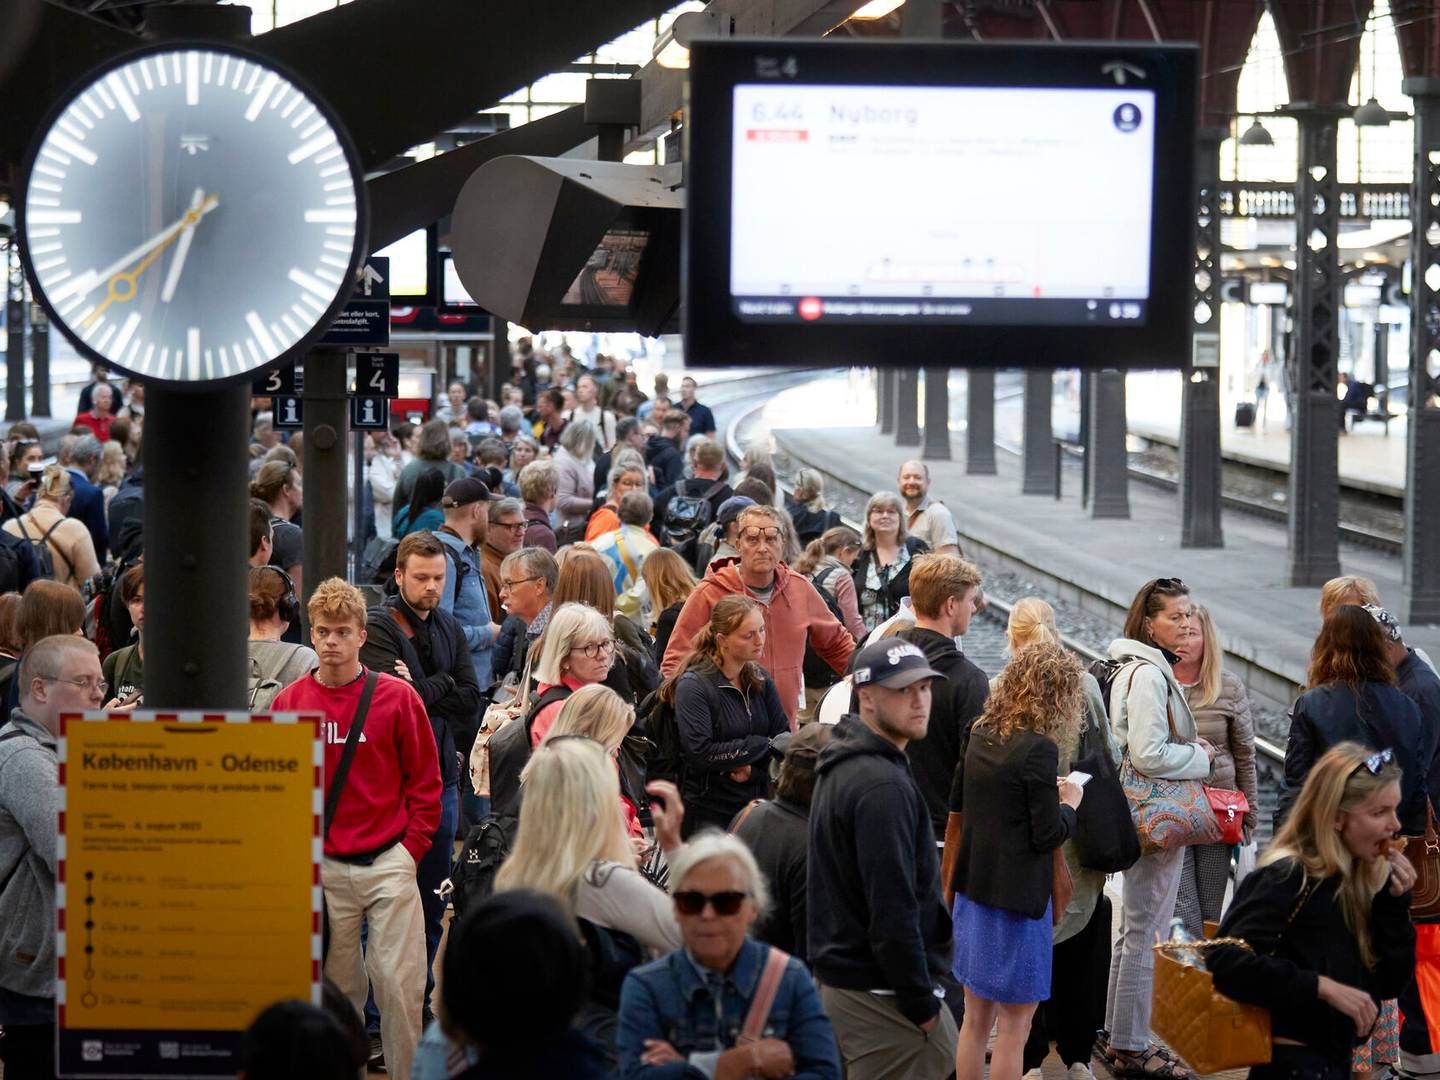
{"x": 327, "y": 418}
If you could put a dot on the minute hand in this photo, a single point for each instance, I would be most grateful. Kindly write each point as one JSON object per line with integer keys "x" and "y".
{"x": 86, "y": 283}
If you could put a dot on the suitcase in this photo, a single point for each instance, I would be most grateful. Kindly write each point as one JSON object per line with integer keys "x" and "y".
{"x": 1245, "y": 414}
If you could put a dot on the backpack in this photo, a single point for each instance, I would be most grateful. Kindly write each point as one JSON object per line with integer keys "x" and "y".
{"x": 265, "y": 686}
{"x": 656, "y": 721}
{"x": 13, "y": 555}
{"x": 486, "y": 847}
{"x": 818, "y": 674}
{"x": 44, "y": 554}
{"x": 377, "y": 563}
{"x": 1105, "y": 837}
{"x": 685, "y": 519}
{"x": 1105, "y": 671}
{"x": 107, "y": 620}
{"x": 510, "y": 752}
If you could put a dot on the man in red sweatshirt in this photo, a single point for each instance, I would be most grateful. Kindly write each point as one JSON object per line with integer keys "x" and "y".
{"x": 387, "y": 813}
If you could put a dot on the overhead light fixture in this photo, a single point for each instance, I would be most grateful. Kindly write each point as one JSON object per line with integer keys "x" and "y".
{"x": 672, "y": 48}
{"x": 1257, "y": 135}
{"x": 1372, "y": 114}
{"x": 876, "y": 9}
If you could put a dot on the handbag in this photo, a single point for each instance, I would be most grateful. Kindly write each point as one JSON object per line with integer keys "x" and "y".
{"x": 1207, "y": 1030}
{"x": 1062, "y": 887}
{"x": 497, "y": 715}
{"x": 1167, "y": 813}
{"x": 1229, "y": 808}
{"x": 1105, "y": 836}
{"x": 759, "y": 1011}
{"x": 1424, "y": 853}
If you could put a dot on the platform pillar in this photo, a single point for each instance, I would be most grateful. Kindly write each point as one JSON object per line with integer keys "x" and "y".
{"x": 937, "y": 414}
{"x": 886, "y": 397}
{"x": 40, "y": 363}
{"x": 1039, "y": 449}
{"x": 1314, "y": 433}
{"x": 980, "y": 421}
{"x": 1106, "y": 458}
{"x": 1420, "y": 601}
{"x": 907, "y": 405}
{"x": 1200, "y": 462}
{"x": 327, "y": 419}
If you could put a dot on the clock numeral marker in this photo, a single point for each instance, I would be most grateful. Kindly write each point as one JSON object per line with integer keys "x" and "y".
{"x": 36, "y": 234}
{"x": 49, "y": 170}
{"x": 192, "y": 78}
{"x": 292, "y": 106}
{"x": 318, "y": 305}
{"x": 99, "y": 113}
{"x": 70, "y": 129}
{"x": 276, "y": 99}
{"x": 340, "y": 217}
{"x": 338, "y": 185}
{"x": 46, "y": 185}
{"x": 130, "y": 78}
{"x": 175, "y": 67}
{"x": 309, "y": 149}
{"x": 311, "y": 285}
{"x": 225, "y": 359}
{"x": 122, "y": 95}
{"x": 331, "y": 260}
{"x": 313, "y": 128}
{"x": 329, "y": 155}
{"x": 105, "y": 338}
{"x": 104, "y": 96}
{"x": 257, "y": 103}
{"x": 43, "y": 200}
{"x": 224, "y": 70}
{"x": 149, "y": 356}
{"x": 44, "y": 249}
{"x": 192, "y": 351}
{"x": 256, "y": 357}
{"x": 54, "y": 217}
{"x": 164, "y": 352}
{"x": 89, "y": 331}
{"x": 49, "y": 264}
{"x": 134, "y": 348}
{"x": 164, "y": 81}
{"x": 303, "y": 116}
{"x": 262, "y": 334}
{"x": 254, "y": 78}
{"x": 73, "y": 148}
{"x": 296, "y": 331}
{"x": 209, "y": 68}
{"x": 240, "y": 66}
{"x": 127, "y": 331}
{"x": 280, "y": 336}
{"x": 336, "y": 245}
{"x": 145, "y": 74}
{"x": 209, "y": 364}
{"x": 55, "y": 279}
{"x": 331, "y": 170}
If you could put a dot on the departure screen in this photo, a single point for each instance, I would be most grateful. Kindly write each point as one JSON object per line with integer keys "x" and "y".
{"x": 944, "y": 204}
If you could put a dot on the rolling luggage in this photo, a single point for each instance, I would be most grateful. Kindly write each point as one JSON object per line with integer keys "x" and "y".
{"x": 1245, "y": 414}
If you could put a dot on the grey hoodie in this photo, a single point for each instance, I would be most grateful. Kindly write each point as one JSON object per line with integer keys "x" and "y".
{"x": 29, "y": 809}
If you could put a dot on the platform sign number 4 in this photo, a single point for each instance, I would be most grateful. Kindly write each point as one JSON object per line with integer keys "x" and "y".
{"x": 377, "y": 374}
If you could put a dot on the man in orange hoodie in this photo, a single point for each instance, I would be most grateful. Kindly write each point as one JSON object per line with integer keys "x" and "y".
{"x": 792, "y": 609}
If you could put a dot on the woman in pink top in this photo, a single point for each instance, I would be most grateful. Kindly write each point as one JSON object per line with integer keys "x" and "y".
{"x": 575, "y": 650}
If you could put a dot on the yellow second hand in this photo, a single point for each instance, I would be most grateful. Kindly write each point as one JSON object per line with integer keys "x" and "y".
{"x": 111, "y": 297}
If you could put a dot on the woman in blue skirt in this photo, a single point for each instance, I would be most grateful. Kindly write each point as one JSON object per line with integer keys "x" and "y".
{"x": 1017, "y": 814}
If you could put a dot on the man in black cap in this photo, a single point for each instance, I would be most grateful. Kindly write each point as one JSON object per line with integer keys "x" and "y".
{"x": 880, "y": 938}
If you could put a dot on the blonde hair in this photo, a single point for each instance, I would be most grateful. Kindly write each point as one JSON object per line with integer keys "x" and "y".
{"x": 54, "y": 483}
{"x": 112, "y": 464}
{"x": 569, "y": 818}
{"x": 1338, "y": 783}
{"x": 1347, "y": 589}
{"x": 1212, "y": 661}
{"x": 668, "y": 577}
{"x": 879, "y": 501}
{"x": 1039, "y": 690}
{"x": 570, "y": 623}
{"x": 596, "y": 712}
{"x": 1031, "y": 620}
{"x": 335, "y": 601}
{"x": 810, "y": 489}
{"x": 936, "y": 578}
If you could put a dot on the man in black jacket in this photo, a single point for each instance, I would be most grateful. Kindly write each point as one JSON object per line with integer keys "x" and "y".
{"x": 880, "y": 937}
{"x": 942, "y": 592}
{"x": 409, "y": 636}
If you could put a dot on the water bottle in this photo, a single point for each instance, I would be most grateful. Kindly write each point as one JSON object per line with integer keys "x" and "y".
{"x": 1180, "y": 936}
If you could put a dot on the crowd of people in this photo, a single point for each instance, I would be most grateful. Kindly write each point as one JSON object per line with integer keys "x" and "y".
{"x": 640, "y": 767}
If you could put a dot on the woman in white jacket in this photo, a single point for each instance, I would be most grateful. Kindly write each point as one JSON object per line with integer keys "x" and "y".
{"x": 1144, "y": 699}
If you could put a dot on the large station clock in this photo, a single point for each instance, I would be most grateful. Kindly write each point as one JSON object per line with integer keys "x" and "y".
{"x": 191, "y": 213}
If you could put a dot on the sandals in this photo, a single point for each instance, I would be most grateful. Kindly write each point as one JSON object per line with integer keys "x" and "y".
{"x": 1153, "y": 1062}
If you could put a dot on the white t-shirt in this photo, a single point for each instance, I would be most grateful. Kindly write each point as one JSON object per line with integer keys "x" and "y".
{"x": 603, "y": 419}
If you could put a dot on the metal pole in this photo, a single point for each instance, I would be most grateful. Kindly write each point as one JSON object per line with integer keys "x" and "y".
{"x": 327, "y": 419}
{"x": 1039, "y": 458}
{"x": 887, "y": 401}
{"x": 1059, "y": 464}
{"x": 40, "y": 362}
{"x": 1200, "y": 460}
{"x": 1108, "y": 462}
{"x": 15, "y": 330}
{"x": 499, "y": 372}
{"x": 980, "y": 421}
{"x": 907, "y": 404}
{"x": 357, "y": 546}
{"x": 196, "y": 543}
{"x": 937, "y": 414}
{"x": 1085, "y": 381}
{"x": 1314, "y": 435}
{"x": 1420, "y": 602}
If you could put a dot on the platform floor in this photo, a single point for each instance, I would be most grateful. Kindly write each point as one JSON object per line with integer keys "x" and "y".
{"x": 830, "y": 423}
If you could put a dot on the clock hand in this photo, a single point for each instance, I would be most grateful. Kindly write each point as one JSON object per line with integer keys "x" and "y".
{"x": 121, "y": 287}
{"x": 177, "y": 264}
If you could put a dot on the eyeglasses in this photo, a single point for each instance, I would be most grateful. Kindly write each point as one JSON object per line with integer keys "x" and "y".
{"x": 517, "y": 583}
{"x": 1375, "y": 762}
{"x": 83, "y": 682}
{"x": 513, "y": 526}
{"x": 885, "y": 512}
{"x": 754, "y": 534}
{"x": 593, "y": 649}
{"x": 724, "y": 903}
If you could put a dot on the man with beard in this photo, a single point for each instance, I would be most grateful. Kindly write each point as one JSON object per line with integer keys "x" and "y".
{"x": 926, "y": 518}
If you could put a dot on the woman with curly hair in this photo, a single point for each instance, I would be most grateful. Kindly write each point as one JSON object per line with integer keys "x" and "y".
{"x": 1015, "y": 821}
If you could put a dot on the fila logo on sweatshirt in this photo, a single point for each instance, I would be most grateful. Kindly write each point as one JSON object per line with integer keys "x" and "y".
{"x": 333, "y": 736}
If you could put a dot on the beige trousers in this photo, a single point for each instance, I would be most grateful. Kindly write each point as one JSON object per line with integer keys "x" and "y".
{"x": 385, "y": 895}
{"x": 878, "y": 1043}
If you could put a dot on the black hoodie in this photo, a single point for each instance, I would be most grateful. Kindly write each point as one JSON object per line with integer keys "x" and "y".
{"x": 877, "y": 919}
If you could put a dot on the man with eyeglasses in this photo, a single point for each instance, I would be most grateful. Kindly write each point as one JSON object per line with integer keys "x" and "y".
{"x": 59, "y": 675}
{"x": 792, "y": 609}
{"x": 504, "y": 533}
{"x": 527, "y": 580}
{"x": 466, "y": 505}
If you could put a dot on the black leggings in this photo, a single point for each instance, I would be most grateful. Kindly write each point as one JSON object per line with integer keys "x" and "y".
{"x": 1079, "y": 979}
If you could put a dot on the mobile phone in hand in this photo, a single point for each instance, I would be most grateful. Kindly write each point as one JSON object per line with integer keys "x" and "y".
{"x": 1078, "y": 777}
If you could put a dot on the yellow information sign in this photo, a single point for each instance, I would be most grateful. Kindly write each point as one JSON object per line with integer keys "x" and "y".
{"x": 189, "y": 894}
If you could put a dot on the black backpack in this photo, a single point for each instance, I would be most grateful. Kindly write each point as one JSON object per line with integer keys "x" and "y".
{"x": 818, "y": 674}
{"x": 686, "y": 516}
{"x": 486, "y": 847}
{"x": 510, "y": 752}
{"x": 16, "y": 563}
{"x": 656, "y": 721}
{"x": 1105, "y": 671}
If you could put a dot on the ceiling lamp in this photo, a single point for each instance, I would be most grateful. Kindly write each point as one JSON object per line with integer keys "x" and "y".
{"x": 1372, "y": 114}
{"x": 876, "y": 9}
{"x": 672, "y": 48}
{"x": 1257, "y": 135}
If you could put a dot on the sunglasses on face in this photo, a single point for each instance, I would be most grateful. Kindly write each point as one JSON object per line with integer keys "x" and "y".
{"x": 724, "y": 903}
{"x": 1375, "y": 762}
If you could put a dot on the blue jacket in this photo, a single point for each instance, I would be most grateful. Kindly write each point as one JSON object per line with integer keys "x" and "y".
{"x": 670, "y": 999}
{"x": 1382, "y": 718}
{"x": 469, "y": 605}
{"x": 87, "y": 506}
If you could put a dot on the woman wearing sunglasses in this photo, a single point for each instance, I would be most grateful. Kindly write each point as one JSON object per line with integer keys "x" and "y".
{"x": 727, "y": 710}
{"x": 695, "y": 1011}
{"x": 1325, "y": 918}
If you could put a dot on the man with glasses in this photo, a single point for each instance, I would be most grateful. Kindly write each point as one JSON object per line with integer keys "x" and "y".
{"x": 792, "y": 609}
{"x": 504, "y": 533}
{"x": 385, "y": 813}
{"x": 527, "y": 578}
{"x": 59, "y": 675}
{"x": 466, "y": 504}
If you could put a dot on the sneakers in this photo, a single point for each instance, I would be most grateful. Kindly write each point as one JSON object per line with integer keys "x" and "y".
{"x": 1079, "y": 1071}
{"x": 377, "y": 1055}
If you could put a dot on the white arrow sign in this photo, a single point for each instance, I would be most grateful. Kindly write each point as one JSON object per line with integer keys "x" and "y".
{"x": 369, "y": 279}
{"x": 1120, "y": 70}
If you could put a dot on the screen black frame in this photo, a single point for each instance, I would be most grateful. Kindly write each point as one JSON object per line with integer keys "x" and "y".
{"x": 714, "y": 336}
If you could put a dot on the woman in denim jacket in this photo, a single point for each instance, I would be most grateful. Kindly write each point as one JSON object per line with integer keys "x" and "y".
{"x": 681, "y": 1016}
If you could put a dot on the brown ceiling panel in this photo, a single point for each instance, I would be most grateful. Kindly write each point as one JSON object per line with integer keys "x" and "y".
{"x": 1321, "y": 42}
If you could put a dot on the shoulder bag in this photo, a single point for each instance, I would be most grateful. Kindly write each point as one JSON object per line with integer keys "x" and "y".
{"x": 1424, "y": 853}
{"x": 1105, "y": 834}
{"x": 764, "y": 998}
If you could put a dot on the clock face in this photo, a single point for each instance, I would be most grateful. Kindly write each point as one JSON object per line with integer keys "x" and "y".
{"x": 191, "y": 214}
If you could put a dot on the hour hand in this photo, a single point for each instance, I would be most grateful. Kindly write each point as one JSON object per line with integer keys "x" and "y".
{"x": 182, "y": 248}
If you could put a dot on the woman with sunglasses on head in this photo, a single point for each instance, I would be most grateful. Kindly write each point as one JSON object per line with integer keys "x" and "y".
{"x": 1325, "y": 918}
{"x": 882, "y": 571}
{"x": 1153, "y": 726}
{"x": 727, "y": 710}
{"x": 686, "y": 1014}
